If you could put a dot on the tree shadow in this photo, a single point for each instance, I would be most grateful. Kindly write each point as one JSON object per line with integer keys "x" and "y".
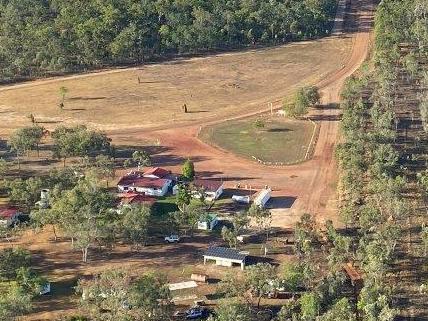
{"x": 3, "y": 145}
{"x": 326, "y": 118}
{"x": 278, "y": 130}
{"x": 126, "y": 151}
{"x": 253, "y": 260}
{"x": 75, "y": 109}
{"x": 49, "y": 121}
{"x": 60, "y": 296}
{"x": 174, "y": 160}
{"x": 197, "y": 111}
{"x": 86, "y": 98}
{"x": 332, "y": 106}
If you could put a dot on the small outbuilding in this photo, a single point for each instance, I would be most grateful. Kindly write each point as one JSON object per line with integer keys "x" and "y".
{"x": 9, "y": 216}
{"x": 131, "y": 198}
{"x": 263, "y": 197}
{"x": 241, "y": 199}
{"x": 212, "y": 189}
{"x": 225, "y": 257}
{"x": 207, "y": 222}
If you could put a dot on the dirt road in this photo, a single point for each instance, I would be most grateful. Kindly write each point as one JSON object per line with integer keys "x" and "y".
{"x": 307, "y": 187}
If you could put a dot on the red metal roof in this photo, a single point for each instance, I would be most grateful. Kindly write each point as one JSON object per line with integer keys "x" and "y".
{"x": 208, "y": 185}
{"x": 158, "y": 172}
{"x": 134, "y": 198}
{"x": 145, "y": 182}
{"x": 353, "y": 273}
{"x": 8, "y": 212}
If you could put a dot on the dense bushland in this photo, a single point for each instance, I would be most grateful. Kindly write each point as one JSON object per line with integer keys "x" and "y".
{"x": 44, "y": 36}
{"x": 383, "y": 153}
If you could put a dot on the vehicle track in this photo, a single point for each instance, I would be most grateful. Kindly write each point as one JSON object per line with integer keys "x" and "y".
{"x": 311, "y": 184}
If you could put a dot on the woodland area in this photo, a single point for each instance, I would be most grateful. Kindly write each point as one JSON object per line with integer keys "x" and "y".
{"x": 383, "y": 161}
{"x": 39, "y": 37}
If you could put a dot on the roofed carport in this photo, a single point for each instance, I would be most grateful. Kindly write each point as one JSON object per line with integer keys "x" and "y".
{"x": 225, "y": 256}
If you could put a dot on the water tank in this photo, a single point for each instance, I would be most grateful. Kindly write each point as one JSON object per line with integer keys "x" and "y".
{"x": 44, "y": 195}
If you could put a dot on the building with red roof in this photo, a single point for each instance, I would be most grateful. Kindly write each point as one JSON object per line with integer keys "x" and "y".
{"x": 157, "y": 172}
{"x": 9, "y": 215}
{"x": 213, "y": 189}
{"x": 136, "y": 199}
{"x": 145, "y": 184}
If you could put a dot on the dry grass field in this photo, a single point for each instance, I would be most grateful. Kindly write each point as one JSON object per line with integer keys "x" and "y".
{"x": 214, "y": 87}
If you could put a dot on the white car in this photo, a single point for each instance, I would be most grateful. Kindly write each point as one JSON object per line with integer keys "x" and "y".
{"x": 172, "y": 239}
{"x": 45, "y": 289}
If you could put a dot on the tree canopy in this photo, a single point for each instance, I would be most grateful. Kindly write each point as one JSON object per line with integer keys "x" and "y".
{"x": 78, "y": 141}
{"x": 41, "y": 37}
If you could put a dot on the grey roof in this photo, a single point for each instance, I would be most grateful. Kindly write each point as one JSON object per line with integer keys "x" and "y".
{"x": 225, "y": 253}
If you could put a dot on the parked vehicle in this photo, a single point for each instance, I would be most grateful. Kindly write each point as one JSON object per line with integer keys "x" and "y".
{"x": 196, "y": 313}
{"x": 179, "y": 315}
{"x": 172, "y": 239}
{"x": 46, "y": 289}
{"x": 241, "y": 199}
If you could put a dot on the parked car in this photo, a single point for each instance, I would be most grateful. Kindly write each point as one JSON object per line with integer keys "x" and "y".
{"x": 179, "y": 315}
{"x": 45, "y": 289}
{"x": 199, "y": 303}
{"x": 172, "y": 239}
{"x": 196, "y": 313}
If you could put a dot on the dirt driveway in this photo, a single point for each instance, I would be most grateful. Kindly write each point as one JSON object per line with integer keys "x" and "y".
{"x": 306, "y": 187}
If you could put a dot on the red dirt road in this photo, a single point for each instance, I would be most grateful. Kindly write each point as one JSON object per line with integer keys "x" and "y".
{"x": 307, "y": 187}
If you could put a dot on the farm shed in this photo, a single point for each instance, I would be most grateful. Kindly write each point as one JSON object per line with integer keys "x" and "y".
{"x": 263, "y": 197}
{"x": 241, "y": 199}
{"x": 199, "y": 277}
{"x": 225, "y": 257}
{"x": 213, "y": 189}
{"x": 207, "y": 222}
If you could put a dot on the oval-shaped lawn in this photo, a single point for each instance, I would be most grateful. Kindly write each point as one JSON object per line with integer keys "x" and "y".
{"x": 271, "y": 140}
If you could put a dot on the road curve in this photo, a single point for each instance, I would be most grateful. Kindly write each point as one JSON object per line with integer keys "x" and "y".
{"x": 307, "y": 187}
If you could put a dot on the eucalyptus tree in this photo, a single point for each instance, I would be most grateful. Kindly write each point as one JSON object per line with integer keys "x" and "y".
{"x": 135, "y": 224}
{"x": 25, "y": 139}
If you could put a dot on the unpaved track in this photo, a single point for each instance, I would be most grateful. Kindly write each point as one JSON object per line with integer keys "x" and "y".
{"x": 312, "y": 184}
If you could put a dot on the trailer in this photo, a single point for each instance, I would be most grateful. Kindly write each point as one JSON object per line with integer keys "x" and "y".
{"x": 263, "y": 197}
